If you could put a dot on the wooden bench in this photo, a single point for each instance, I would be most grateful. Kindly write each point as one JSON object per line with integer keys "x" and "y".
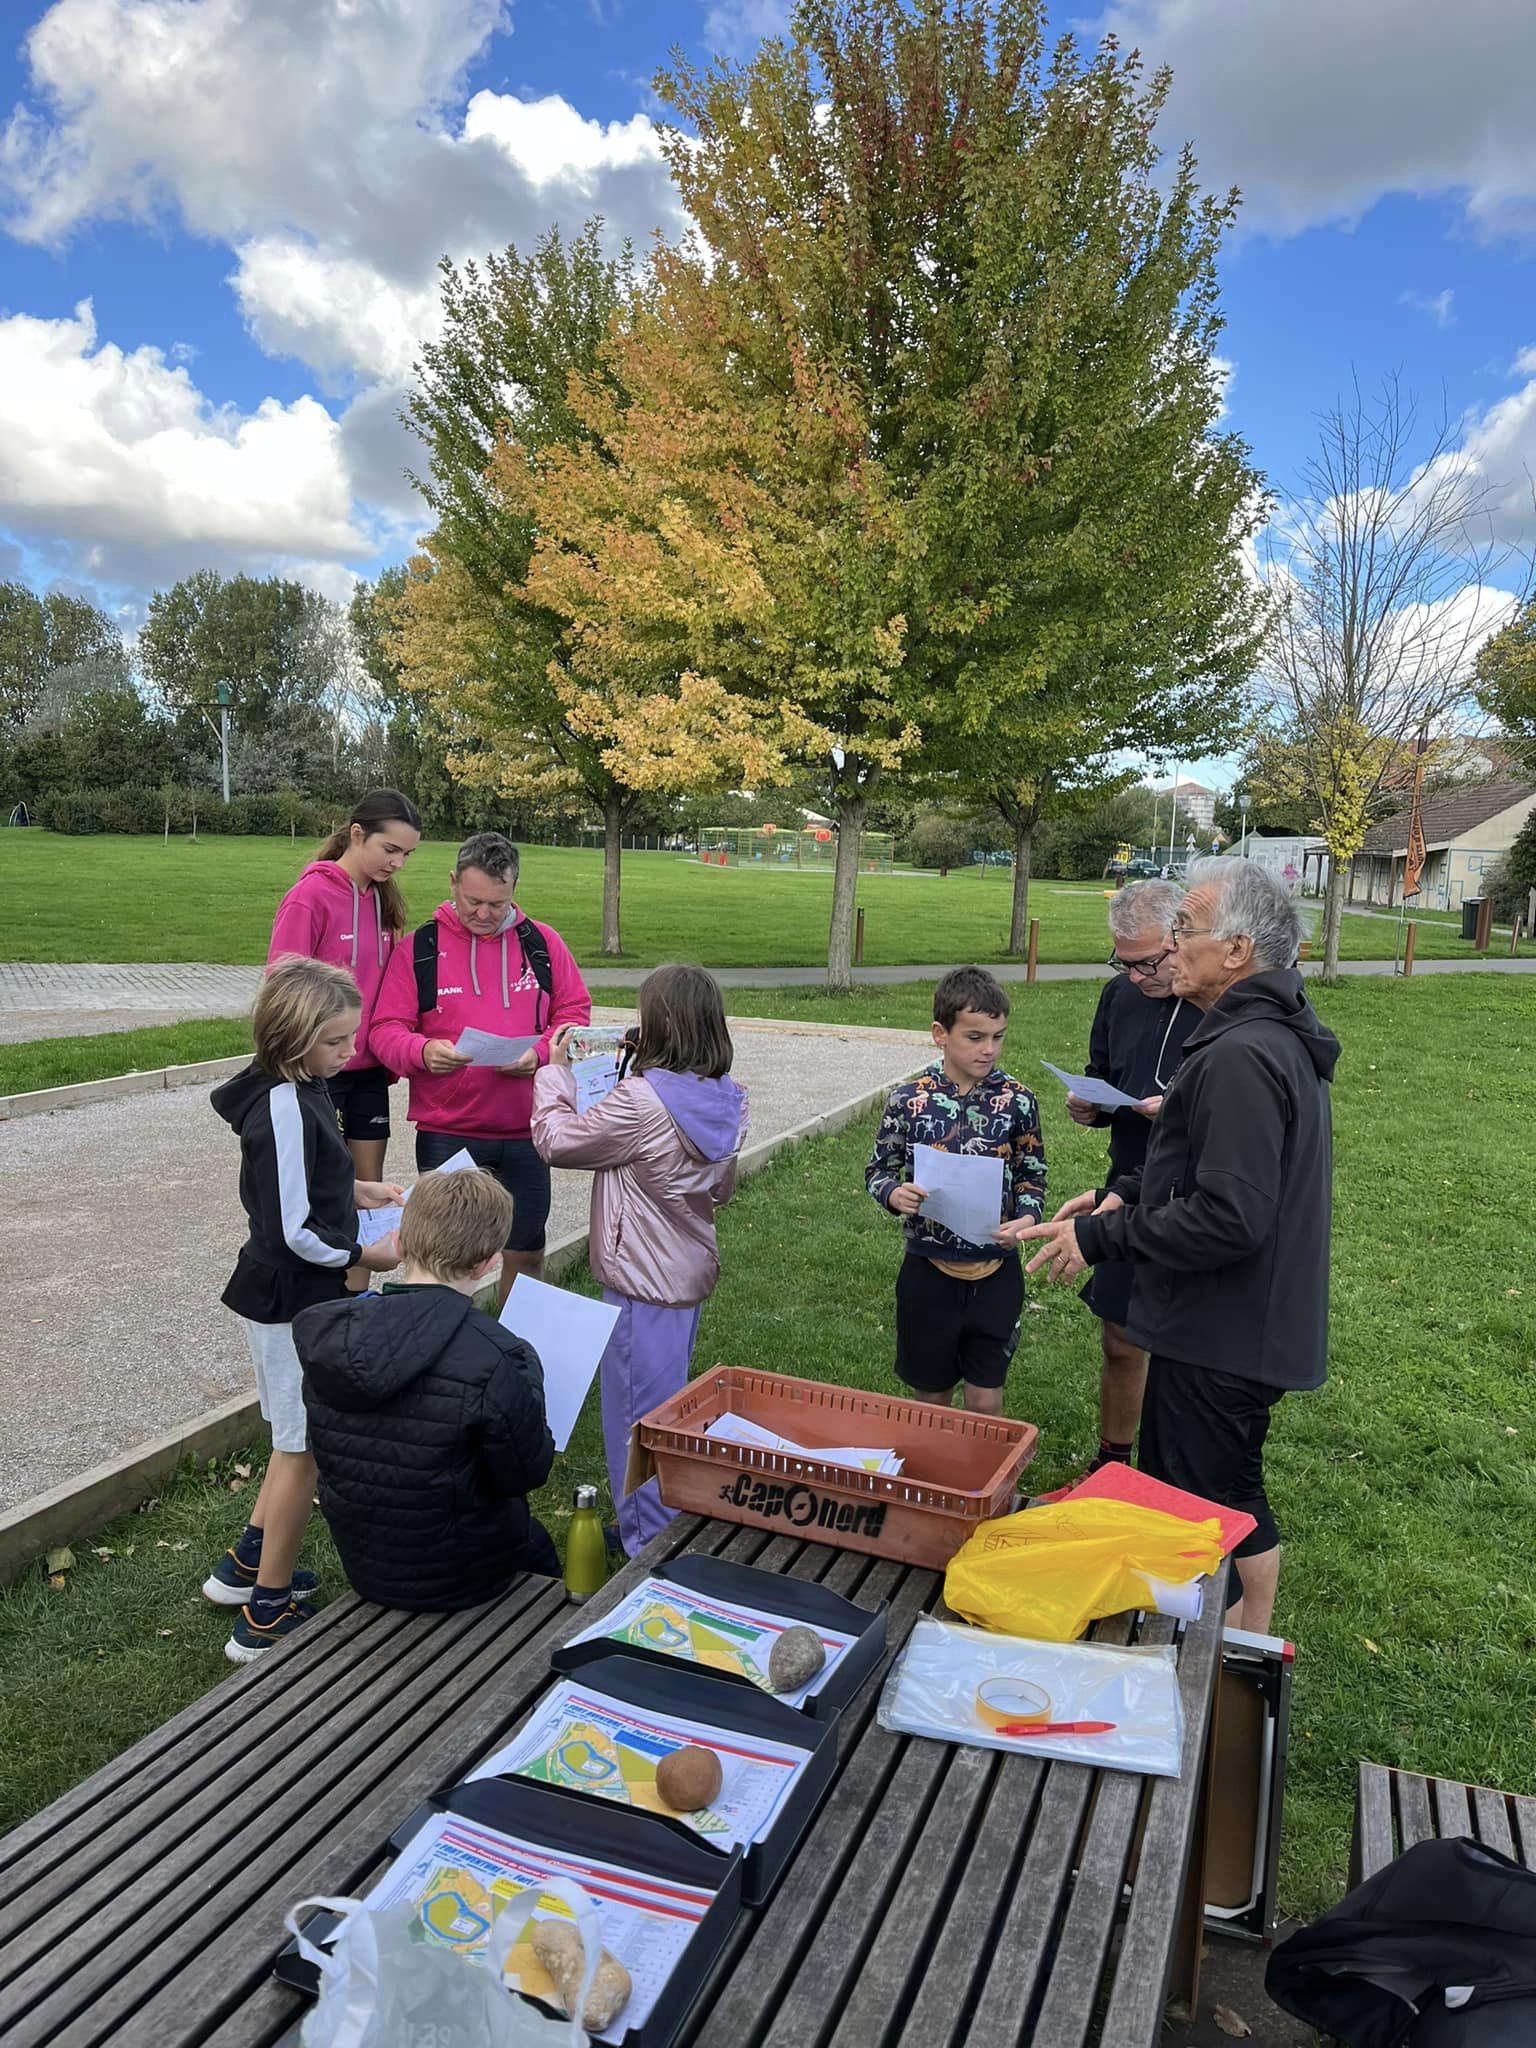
{"x": 943, "y": 1895}
{"x": 1394, "y": 1809}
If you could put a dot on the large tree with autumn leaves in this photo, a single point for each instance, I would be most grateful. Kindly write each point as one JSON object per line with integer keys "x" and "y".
{"x": 922, "y": 419}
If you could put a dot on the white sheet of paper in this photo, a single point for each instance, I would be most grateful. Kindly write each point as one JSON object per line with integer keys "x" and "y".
{"x": 376, "y": 1224}
{"x": 594, "y": 1078}
{"x": 740, "y": 1429}
{"x": 965, "y": 1191}
{"x": 487, "y": 1050}
{"x": 1089, "y": 1088}
{"x": 570, "y": 1333}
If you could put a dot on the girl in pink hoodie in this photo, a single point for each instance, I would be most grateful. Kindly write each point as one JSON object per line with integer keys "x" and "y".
{"x": 663, "y": 1145}
{"x": 346, "y": 909}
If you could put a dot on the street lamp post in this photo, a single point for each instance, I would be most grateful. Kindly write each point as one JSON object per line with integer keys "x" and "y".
{"x": 1242, "y": 803}
{"x": 224, "y": 694}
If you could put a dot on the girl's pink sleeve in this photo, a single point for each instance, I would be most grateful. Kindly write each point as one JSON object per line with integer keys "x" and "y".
{"x": 394, "y": 1038}
{"x": 611, "y": 1134}
{"x": 569, "y": 1002}
{"x": 294, "y": 927}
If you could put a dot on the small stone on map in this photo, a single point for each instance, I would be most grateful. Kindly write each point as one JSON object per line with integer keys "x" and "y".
{"x": 797, "y": 1657}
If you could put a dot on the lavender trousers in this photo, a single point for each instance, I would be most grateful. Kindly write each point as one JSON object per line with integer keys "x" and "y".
{"x": 646, "y": 1360}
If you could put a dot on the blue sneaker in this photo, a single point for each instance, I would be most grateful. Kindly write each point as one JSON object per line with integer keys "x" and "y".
{"x": 251, "y": 1638}
{"x": 231, "y": 1583}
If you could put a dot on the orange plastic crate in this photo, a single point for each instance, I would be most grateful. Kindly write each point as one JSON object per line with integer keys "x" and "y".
{"x": 958, "y": 1470}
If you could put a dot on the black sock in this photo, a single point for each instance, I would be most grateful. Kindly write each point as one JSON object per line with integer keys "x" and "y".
{"x": 1114, "y": 1454}
{"x": 248, "y": 1549}
{"x": 267, "y": 1602}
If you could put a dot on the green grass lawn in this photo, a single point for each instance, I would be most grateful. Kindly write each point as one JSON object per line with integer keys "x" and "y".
{"x": 142, "y": 899}
{"x": 1405, "y": 1487}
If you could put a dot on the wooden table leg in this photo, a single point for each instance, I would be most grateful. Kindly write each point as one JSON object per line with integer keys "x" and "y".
{"x": 1184, "y": 1982}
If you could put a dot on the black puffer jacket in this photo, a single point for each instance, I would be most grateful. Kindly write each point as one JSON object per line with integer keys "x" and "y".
{"x": 426, "y": 1419}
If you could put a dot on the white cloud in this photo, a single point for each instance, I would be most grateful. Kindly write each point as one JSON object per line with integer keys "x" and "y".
{"x": 335, "y": 313}
{"x": 1318, "y": 110}
{"x": 1437, "y": 307}
{"x": 120, "y": 454}
{"x": 732, "y": 25}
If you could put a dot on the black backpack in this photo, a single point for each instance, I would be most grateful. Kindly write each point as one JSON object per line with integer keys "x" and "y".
{"x": 424, "y": 954}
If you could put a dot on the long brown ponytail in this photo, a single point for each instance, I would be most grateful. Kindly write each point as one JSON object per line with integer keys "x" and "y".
{"x": 379, "y": 809}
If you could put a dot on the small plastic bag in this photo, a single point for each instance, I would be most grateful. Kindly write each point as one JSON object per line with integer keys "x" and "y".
{"x": 1049, "y": 1571}
{"x": 381, "y": 1986}
{"x": 1085, "y": 1703}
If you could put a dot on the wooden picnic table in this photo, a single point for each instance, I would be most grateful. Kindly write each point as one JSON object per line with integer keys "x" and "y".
{"x": 943, "y": 1894}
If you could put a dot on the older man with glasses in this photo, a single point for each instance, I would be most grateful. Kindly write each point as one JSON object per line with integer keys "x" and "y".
{"x": 1136, "y": 1043}
{"x": 1228, "y": 1223}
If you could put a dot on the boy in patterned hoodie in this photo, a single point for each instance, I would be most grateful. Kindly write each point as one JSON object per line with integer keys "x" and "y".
{"x": 958, "y": 1304}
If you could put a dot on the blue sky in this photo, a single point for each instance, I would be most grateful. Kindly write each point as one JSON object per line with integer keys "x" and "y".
{"x": 249, "y": 195}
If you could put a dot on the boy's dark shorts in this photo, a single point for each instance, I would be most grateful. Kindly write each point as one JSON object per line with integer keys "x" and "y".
{"x": 1204, "y": 1431}
{"x": 361, "y": 1096}
{"x": 512, "y": 1161}
{"x": 949, "y": 1330}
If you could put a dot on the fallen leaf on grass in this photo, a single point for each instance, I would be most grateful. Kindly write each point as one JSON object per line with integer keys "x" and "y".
{"x": 147, "y": 1507}
{"x": 1374, "y": 1648}
{"x": 60, "y": 1560}
{"x": 58, "y": 1582}
{"x": 162, "y": 1633}
{"x": 103, "y": 1554}
{"x": 237, "y": 1486}
{"x": 1232, "y": 2023}
{"x": 243, "y": 1471}
{"x": 1510, "y": 1430}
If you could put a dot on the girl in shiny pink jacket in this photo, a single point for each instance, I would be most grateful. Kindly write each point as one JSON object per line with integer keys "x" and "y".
{"x": 663, "y": 1147}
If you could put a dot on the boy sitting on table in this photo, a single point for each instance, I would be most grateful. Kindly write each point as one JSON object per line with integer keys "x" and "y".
{"x": 426, "y": 1417}
{"x": 958, "y": 1304}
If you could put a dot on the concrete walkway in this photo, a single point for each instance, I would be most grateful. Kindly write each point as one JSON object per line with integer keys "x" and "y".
{"x": 119, "y": 1224}
{"x": 79, "y": 1000}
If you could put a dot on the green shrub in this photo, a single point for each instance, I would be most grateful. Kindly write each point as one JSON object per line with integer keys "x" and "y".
{"x": 136, "y": 809}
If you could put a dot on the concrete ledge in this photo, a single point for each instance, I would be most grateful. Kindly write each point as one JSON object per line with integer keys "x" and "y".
{"x": 80, "y": 1507}
{"x": 75, "y": 1094}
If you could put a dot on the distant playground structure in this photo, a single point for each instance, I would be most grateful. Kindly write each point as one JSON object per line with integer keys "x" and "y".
{"x": 733, "y": 846}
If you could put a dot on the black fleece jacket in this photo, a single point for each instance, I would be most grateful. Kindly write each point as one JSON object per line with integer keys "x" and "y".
{"x": 1228, "y": 1223}
{"x": 299, "y": 1193}
{"x": 426, "y": 1419}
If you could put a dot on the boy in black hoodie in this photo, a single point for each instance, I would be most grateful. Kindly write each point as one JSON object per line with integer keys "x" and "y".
{"x": 426, "y": 1417}
{"x": 1228, "y": 1222}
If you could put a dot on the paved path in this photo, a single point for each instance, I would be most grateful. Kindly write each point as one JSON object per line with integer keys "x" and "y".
{"x": 119, "y": 1225}
{"x": 71, "y": 1001}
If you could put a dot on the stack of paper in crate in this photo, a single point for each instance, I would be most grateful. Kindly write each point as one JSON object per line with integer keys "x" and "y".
{"x": 736, "y": 1429}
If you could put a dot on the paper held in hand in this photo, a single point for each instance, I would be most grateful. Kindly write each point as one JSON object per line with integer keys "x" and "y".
{"x": 1089, "y": 1088}
{"x": 570, "y": 1333}
{"x": 374, "y": 1225}
{"x": 485, "y": 1049}
{"x": 964, "y": 1191}
{"x": 594, "y": 1077}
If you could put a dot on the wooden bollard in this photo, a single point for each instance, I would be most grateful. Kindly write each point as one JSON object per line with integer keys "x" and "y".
{"x": 1514, "y": 934}
{"x": 1484, "y": 925}
{"x": 1410, "y": 939}
{"x": 1034, "y": 949}
{"x": 858, "y": 937}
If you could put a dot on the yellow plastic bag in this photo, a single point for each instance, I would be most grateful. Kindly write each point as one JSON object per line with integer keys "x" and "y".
{"x": 1049, "y": 1571}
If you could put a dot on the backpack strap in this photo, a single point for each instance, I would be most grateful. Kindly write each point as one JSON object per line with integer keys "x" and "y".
{"x": 536, "y": 953}
{"x": 424, "y": 956}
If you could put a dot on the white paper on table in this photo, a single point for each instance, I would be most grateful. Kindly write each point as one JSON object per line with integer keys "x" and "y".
{"x": 646, "y": 1922}
{"x": 590, "y": 1742}
{"x": 487, "y": 1050}
{"x": 965, "y": 1191}
{"x": 374, "y": 1225}
{"x": 1089, "y": 1088}
{"x": 594, "y": 1078}
{"x": 570, "y": 1333}
{"x": 738, "y": 1429}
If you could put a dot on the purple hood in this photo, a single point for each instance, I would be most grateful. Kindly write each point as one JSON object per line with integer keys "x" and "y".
{"x": 709, "y": 1114}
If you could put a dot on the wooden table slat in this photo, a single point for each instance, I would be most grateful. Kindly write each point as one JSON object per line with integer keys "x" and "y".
{"x": 1524, "y": 1830}
{"x": 1492, "y": 1820}
{"x": 1414, "y": 1821}
{"x": 1453, "y": 1816}
{"x": 1372, "y": 1845}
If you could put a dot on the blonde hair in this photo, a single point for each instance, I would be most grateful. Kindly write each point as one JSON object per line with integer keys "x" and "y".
{"x": 297, "y": 1000}
{"x": 455, "y": 1222}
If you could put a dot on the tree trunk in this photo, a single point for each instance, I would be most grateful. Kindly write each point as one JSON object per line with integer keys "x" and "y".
{"x": 1018, "y": 929}
{"x": 1333, "y": 918}
{"x": 851, "y": 814}
{"x": 613, "y": 824}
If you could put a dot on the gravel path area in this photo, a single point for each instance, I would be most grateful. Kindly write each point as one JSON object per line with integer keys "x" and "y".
{"x": 119, "y": 1224}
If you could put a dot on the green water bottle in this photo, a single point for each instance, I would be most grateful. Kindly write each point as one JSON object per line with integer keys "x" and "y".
{"x": 586, "y": 1558}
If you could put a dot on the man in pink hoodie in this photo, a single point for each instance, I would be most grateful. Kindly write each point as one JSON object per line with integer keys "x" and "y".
{"x": 481, "y": 962}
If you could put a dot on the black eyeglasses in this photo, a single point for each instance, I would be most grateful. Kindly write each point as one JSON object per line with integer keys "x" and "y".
{"x": 1139, "y": 969}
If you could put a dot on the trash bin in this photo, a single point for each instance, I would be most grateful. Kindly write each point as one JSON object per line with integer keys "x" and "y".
{"x": 1471, "y": 905}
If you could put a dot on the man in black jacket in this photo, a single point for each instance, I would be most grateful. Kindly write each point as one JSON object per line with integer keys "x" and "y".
{"x": 1228, "y": 1223}
{"x": 426, "y": 1417}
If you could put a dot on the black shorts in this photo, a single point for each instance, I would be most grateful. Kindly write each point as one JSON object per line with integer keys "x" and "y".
{"x": 949, "y": 1330}
{"x": 512, "y": 1161}
{"x": 361, "y": 1096}
{"x": 1204, "y": 1431}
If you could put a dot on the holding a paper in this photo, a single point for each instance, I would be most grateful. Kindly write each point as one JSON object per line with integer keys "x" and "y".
{"x": 959, "y": 1158}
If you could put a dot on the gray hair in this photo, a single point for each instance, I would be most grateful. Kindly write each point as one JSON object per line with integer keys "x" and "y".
{"x": 1143, "y": 907}
{"x": 492, "y": 853}
{"x": 1250, "y": 904}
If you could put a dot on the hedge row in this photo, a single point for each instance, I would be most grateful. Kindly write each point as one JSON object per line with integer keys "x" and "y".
{"x": 149, "y": 810}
